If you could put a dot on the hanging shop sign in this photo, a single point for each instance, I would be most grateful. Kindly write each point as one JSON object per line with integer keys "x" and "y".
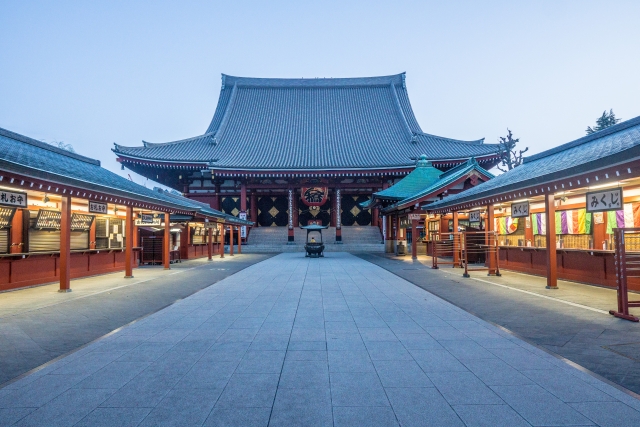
{"x": 48, "y": 220}
{"x": 520, "y": 210}
{"x": 314, "y": 196}
{"x": 474, "y": 216}
{"x": 605, "y": 200}
{"x": 81, "y": 222}
{"x": 6, "y": 216}
{"x": 148, "y": 219}
{"x": 13, "y": 198}
{"x": 98, "y": 207}
{"x": 414, "y": 217}
{"x": 243, "y": 229}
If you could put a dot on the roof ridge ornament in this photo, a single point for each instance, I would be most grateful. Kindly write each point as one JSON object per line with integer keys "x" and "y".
{"x": 404, "y": 80}
{"x": 414, "y": 138}
{"x": 223, "y": 80}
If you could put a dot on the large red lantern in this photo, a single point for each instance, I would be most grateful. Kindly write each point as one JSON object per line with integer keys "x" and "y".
{"x": 314, "y": 196}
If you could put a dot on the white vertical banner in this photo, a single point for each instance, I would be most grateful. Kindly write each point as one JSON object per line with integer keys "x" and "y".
{"x": 243, "y": 229}
{"x": 384, "y": 227}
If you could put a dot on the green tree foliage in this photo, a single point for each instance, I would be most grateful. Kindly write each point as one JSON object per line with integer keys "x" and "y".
{"x": 604, "y": 121}
{"x": 509, "y": 156}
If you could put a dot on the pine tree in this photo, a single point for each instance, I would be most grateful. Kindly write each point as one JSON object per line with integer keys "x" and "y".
{"x": 509, "y": 156}
{"x": 604, "y": 121}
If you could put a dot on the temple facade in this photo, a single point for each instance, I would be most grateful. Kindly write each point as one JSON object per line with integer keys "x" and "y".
{"x": 294, "y": 152}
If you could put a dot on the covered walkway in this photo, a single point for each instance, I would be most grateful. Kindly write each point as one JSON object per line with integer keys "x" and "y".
{"x": 334, "y": 341}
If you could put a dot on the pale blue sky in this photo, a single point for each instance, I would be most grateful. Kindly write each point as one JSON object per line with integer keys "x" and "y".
{"x": 94, "y": 73}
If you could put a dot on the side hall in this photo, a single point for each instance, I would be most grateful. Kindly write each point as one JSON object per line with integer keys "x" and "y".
{"x": 63, "y": 216}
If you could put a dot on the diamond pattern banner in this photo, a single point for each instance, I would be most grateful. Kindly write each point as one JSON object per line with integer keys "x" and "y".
{"x": 273, "y": 211}
{"x": 352, "y": 213}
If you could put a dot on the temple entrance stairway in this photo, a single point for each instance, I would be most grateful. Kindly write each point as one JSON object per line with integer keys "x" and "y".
{"x": 354, "y": 239}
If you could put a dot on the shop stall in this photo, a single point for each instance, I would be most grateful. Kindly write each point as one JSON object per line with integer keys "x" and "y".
{"x": 555, "y": 214}
{"x": 62, "y": 216}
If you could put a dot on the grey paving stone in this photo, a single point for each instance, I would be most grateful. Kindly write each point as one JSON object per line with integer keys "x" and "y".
{"x": 422, "y": 341}
{"x": 304, "y": 374}
{"x": 467, "y": 350}
{"x": 114, "y": 375}
{"x": 183, "y": 408}
{"x": 145, "y": 390}
{"x": 114, "y": 417}
{"x": 377, "y": 334}
{"x": 463, "y": 388}
{"x": 9, "y": 416}
{"x": 302, "y": 407}
{"x": 350, "y": 361}
{"x": 489, "y": 416}
{"x": 609, "y": 414}
{"x": 538, "y": 406}
{"x": 307, "y": 355}
{"x": 238, "y": 417}
{"x": 344, "y": 342}
{"x": 364, "y": 416}
{"x": 66, "y": 409}
{"x": 40, "y": 391}
{"x": 567, "y": 387}
{"x": 357, "y": 389}
{"x": 437, "y": 361}
{"x": 401, "y": 373}
{"x": 261, "y": 362}
{"x": 496, "y": 372}
{"x": 422, "y": 407}
{"x": 387, "y": 350}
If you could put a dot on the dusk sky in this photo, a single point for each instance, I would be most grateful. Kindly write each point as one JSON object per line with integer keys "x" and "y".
{"x": 94, "y": 73}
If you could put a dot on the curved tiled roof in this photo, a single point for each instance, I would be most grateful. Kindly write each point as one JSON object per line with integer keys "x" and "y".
{"x": 29, "y": 157}
{"x": 610, "y": 146}
{"x": 311, "y": 124}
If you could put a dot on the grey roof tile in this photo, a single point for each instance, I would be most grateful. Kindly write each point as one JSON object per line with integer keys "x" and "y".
{"x": 312, "y": 124}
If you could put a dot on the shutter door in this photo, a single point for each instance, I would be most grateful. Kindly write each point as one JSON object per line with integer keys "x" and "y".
{"x": 79, "y": 240}
{"x": 44, "y": 241}
{"x": 4, "y": 241}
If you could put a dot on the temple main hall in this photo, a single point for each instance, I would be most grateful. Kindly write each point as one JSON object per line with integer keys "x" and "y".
{"x": 295, "y": 152}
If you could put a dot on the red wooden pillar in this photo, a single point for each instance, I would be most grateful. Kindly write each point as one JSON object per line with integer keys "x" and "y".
{"x": 254, "y": 208}
{"x": 166, "y": 243}
{"x": 374, "y": 217}
{"x": 414, "y": 239}
{"x": 231, "y": 240}
{"x": 65, "y": 245}
{"x": 490, "y": 239}
{"x": 239, "y": 240}
{"x": 243, "y": 197}
{"x": 552, "y": 263}
{"x": 210, "y": 243}
{"x": 129, "y": 242}
{"x": 17, "y": 230}
{"x": 221, "y": 230}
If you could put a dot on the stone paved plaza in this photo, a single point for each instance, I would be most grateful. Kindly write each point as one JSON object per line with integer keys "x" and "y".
{"x": 293, "y": 341}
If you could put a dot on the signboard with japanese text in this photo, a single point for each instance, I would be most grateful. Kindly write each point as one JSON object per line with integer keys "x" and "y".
{"x": 605, "y": 200}
{"x": 148, "y": 219}
{"x": 98, "y": 207}
{"x": 414, "y": 217}
{"x": 13, "y": 198}
{"x": 474, "y": 216}
{"x": 243, "y": 229}
{"x": 520, "y": 210}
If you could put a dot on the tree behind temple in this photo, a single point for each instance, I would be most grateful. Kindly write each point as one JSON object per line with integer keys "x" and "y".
{"x": 509, "y": 156}
{"x": 604, "y": 121}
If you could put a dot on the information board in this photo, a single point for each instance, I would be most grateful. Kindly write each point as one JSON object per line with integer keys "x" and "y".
{"x": 605, "y": 200}
{"x": 520, "y": 210}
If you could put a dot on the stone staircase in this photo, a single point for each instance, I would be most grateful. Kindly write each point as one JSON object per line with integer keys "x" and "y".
{"x": 354, "y": 239}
